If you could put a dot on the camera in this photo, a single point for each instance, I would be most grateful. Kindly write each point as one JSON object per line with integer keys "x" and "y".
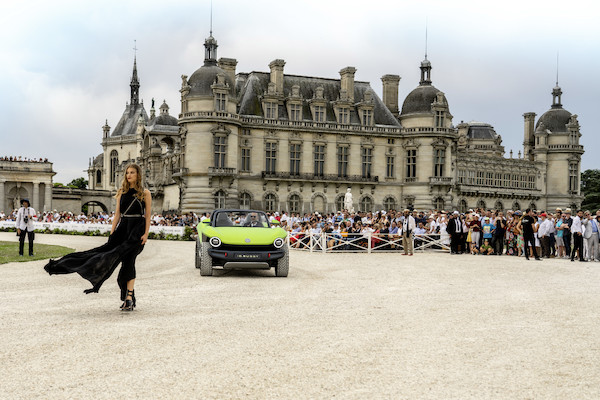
{"x": 26, "y": 218}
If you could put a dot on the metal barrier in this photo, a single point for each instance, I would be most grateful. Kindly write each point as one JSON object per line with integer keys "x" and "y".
{"x": 68, "y": 226}
{"x": 364, "y": 243}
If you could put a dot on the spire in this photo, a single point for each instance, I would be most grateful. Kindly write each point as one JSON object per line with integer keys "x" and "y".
{"x": 210, "y": 45}
{"x": 557, "y": 91}
{"x": 135, "y": 83}
{"x": 425, "y": 65}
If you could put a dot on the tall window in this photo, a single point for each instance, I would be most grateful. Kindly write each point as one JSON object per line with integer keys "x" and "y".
{"x": 271, "y": 156}
{"x": 440, "y": 160}
{"x": 344, "y": 115}
{"x": 220, "y": 146}
{"x": 389, "y": 166}
{"x": 367, "y": 161}
{"x": 270, "y": 110}
{"x": 462, "y": 206}
{"x": 439, "y": 203}
{"x": 270, "y": 201}
{"x": 411, "y": 163}
{"x": 366, "y": 204}
{"x": 389, "y": 203}
{"x": 342, "y": 156}
{"x": 294, "y": 203}
{"x": 98, "y": 177}
{"x": 339, "y": 202}
{"x": 439, "y": 119}
{"x": 295, "y": 112}
{"x": 367, "y": 117}
{"x": 220, "y": 101}
{"x": 573, "y": 181}
{"x": 531, "y": 184}
{"x": 319, "y": 159}
{"x": 220, "y": 199}
{"x": 245, "y": 200}
{"x": 319, "y": 113}
{"x": 245, "y": 167}
{"x": 114, "y": 162}
{"x": 462, "y": 176}
{"x": 295, "y": 149}
{"x": 480, "y": 178}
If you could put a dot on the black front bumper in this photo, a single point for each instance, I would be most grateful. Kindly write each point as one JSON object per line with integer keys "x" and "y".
{"x": 225, "y": 255}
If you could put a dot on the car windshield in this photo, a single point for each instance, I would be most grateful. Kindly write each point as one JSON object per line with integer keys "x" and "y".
{"x": 241, "y": 218}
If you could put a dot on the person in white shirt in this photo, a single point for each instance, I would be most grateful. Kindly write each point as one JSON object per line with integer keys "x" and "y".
{"x": 408, "y": 228}
{"x": 24, "y": 222}
{"x": 577, "y": 232}
{"x": 544, "y": 234}
{"x": 591, "y": 236}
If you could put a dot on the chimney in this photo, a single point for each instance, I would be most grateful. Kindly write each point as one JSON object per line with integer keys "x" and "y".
{"x": 529, "y": 137}
{"x": 390, "y": 92}
{"x": 228, "y": 65}
{"x": 277, "y": 75}
{"x": 347, "y": 82}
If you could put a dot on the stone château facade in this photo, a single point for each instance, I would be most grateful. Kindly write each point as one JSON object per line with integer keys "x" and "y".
{"x": 273, "y": 141}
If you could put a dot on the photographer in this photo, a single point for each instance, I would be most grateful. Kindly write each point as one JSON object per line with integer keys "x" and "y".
{"x": 24, "y": 223}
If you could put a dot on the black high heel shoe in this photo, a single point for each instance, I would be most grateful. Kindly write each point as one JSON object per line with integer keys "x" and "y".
{"x": 129, "y": 305}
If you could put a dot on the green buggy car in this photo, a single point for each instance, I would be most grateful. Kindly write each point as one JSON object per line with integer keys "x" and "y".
{"x": 240, "y": 239}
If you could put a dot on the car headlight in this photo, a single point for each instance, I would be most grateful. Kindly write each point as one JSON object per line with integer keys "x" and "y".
{"x": 214, "y": 241}
{"x": 278, "y": 243}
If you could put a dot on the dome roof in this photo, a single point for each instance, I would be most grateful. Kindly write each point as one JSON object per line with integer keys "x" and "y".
{"x": 165, "y": 119}
{"x": 204, "y": 77}
{"x": 555, "y": 120}
{"x": 419, "y": 100}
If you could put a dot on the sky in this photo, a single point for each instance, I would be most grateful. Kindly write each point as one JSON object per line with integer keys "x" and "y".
{"x": 66, "y": 65}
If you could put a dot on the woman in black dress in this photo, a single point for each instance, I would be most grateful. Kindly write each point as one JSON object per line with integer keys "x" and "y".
{"x": 129, "y": 234}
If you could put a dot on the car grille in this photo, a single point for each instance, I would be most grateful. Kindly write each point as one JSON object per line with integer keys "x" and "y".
{"x": 246, "y": 247}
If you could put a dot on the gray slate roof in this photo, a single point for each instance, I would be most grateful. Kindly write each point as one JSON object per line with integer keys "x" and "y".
{"x": 555, "y": 120}
{"x": 256, "y": 84}
{"x": 419, "y": 100}
{"x": 128, "y": 123}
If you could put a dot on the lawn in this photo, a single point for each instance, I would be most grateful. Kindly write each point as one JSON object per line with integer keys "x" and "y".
{"x": 9, "y": 252}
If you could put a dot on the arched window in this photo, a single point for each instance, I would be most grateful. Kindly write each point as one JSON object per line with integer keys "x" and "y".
{"x": 339, "y": 202}
{"x": 516, "y": 206}
{"x": 499, "y": 206}
{"x": 294, "y": 203}
{"x": 114, "y": 162}
{"x": 366, "y": 204}
{"x": 245, "y": 201}
{"x": 389, "y": 203}
{"x": 481, "y": 204}
{"x": 439, "y": 203}
{"x": 220, "y": 199}
{"x": 98, "y": 177}
{"x": 270, "y": 202}
{"x": 318, "y": 204}
{"x": 463, "y": 206}
{"x": 532, "y": 206}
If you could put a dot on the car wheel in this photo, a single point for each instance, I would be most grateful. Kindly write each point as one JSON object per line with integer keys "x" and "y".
{"x": 283, "y": 264}
{"x": 198, "y": 259}
{"x": 206, "y": 268}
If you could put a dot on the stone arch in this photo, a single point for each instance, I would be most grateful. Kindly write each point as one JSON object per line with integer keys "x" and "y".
{"x": 499, "y": 205}
{"x": 439, "y": 203}
{"x": 533, "y": 206}
{"x": 516, "y": 206}
{"x": 167, "y": 144}
{"x": 14, "y": 196}
{"x": 318, "y": 202}
{"x": 294, "y": 202}
{"x": 220, "y": 198}
{"x": 366, "y": 203}
{"x": 85, "y": 207}
{"x": 481, "y": 204}
{"x": 339, "y": 202}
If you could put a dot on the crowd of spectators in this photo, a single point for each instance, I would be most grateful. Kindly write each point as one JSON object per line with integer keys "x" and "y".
{"x": 23, "y": 159}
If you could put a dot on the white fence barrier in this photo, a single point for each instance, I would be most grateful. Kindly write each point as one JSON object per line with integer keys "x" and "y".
{"x": 365, "y": 243}
{"x": 172, "y": 230}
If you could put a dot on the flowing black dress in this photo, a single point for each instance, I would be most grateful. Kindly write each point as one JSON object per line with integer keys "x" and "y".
{"x": 97, "y": 265}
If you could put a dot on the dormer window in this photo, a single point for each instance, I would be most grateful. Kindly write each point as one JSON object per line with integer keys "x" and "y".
{"x": 367, "y": 117}
{"x": 220, "y": 102}
{"x": 439, "y": 118}
{"x": 270, "y": 110}
{"x": 295, "y": 112}
{"x": 344, "y": 115}
{"x": 319, "y": 113}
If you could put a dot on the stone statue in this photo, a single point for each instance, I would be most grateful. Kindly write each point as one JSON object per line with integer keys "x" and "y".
{"x": 348, "y": 201}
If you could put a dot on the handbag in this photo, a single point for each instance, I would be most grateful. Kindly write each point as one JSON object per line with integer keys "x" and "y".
{"x": 469, "y": 235}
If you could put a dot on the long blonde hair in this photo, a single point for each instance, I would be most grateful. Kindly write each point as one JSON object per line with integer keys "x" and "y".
{"x": 137, "y": 185}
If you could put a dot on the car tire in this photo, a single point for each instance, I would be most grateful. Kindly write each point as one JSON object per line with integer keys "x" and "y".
{"x": 206, "y": 268}
{"x": 198, "y": 260}
{"x": 283, "y": 264}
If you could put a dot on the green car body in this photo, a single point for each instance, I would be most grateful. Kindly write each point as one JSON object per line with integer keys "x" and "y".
{"x": 233, "y": 239}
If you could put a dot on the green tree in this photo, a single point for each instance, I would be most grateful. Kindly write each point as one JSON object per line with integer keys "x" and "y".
{"x": 78, "y": 183}
{"x": 590, "y": 188}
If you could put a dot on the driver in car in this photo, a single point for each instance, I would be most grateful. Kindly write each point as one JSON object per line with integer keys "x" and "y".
{"x": 252, "y": 220}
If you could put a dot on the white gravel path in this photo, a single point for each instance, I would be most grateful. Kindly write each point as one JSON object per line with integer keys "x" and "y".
{"x": 347, "y": 326}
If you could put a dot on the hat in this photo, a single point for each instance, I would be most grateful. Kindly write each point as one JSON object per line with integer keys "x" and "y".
{"x": 25, "y": 200}
{"x": 543, "y": 215}
{"x": 455, "y": 213}
{"x": 406, "y": 210}
{"x": 568, "y": 211}
{"x": 486, "y": 218}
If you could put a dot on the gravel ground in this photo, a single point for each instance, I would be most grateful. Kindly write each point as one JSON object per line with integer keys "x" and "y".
{"x": 347, "y": 326}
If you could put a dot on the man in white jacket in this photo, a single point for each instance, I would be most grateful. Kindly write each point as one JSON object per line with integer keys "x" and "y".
{"x": 544, "y": 234}
{"x": 24, "y": 222}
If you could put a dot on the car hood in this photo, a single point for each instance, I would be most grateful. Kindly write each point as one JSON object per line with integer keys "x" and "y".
{"x": 238, "y": 235}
